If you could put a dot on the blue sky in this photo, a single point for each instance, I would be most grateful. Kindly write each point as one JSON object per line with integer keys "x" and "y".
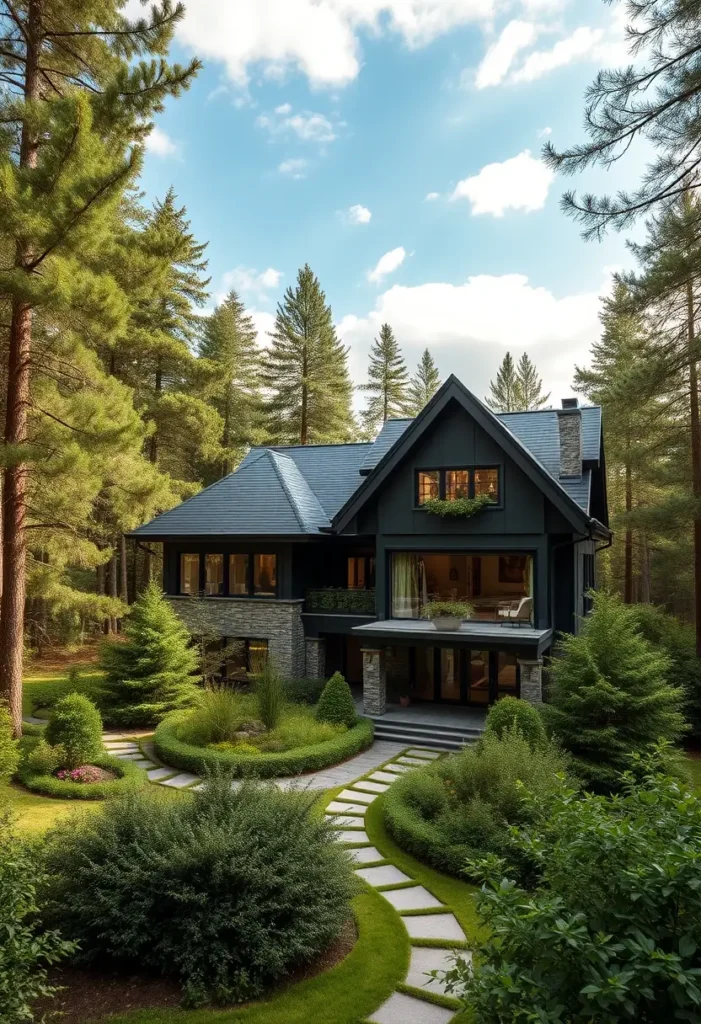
{"x": 318, "y": 128}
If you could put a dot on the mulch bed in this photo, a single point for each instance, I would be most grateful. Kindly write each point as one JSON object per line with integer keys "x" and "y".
{"x": 93, "y": 994}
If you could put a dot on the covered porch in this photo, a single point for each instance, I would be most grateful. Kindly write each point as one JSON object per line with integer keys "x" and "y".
{"x": 459, "y": 670}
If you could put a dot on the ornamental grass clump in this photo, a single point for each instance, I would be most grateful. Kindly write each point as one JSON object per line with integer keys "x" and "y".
{"x": 270, "y": 696}
{"x": 226, "y": 891}
{"x": 75, "y": 727}
{"x": 336, "y": 704}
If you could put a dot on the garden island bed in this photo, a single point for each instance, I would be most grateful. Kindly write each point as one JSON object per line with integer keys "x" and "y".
{"x": 126, "y": 778}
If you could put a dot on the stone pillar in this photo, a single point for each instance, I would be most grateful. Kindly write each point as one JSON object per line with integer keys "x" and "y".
{"x": 374, "y": 681}
{"x": 531, "y": 680}
{"x": 315, "y": 657}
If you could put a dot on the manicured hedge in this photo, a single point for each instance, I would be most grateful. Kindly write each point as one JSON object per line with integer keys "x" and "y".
{"x": 46, "y": 693}
{"x": 130, "y": 778}
{"x": 417, "y": 835}
{"x": 177, "y": 754}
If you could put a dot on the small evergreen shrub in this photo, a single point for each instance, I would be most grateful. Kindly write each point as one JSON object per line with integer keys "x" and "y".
{"x": 336, "y": 704}
{"x": 611, "y": 694}
{"x": 26, "y": 947}
{"x": 514, "y": 714}
{"x": 304, "y": 691}
{"x": 256, "y": 886}
{"x": 150, "y": 672}
{"x": 76, "y": 726}
{"x": 270, "y": 696}
{"x": 9, "y": 747}
{"x": 43, "y": 759}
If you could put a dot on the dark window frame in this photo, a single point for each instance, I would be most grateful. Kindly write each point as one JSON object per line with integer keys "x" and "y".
{"x": 246, "y": 641}
{"x": 370, "y": 571}
{"x": 250, "y": 594}
{"x": 470, "y": 470}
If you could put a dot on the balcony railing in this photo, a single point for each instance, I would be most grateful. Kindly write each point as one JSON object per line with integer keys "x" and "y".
{"x": 340, "y": 601}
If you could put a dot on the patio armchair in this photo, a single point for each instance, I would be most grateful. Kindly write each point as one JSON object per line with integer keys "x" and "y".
{"x": 516, "y": 612}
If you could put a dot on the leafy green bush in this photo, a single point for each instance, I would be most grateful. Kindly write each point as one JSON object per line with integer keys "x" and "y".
{"x": 129, "y": 778}
{"x": 677, "y": 640}
{"x": 463, "y": 806}
{"x": 460, "y": 508}
{"x": 612, "y": 932}
{"x": 255, "y": 886}
{"x": 511, "y": 713}
{"x": 150, "y": 673}
{"x": 336, "y": 704}
{"x": 610, "y": 694}
{"x": 270, "y": 695}
{"x": 43, "y": 759}
{"x": 26, "y": 948}
{"x": 76, "y": 726}
{"x": 448, "y": 610}
{"x": 304, "y": 691}
{"x": 173, "y": 748}
{"x": 9, "y": 747}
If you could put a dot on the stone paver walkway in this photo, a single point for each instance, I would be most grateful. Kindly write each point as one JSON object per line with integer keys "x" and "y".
{"x": 423, "y": 915}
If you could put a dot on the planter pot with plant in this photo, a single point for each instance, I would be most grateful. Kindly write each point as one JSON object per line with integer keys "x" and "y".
{"x": 447, "y": 616}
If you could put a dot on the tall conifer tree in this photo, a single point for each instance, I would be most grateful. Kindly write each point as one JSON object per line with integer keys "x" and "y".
{"x": 423, "y": 384}
{"x": 529, "y": 385}
{"x": 78, "y": 87}
{"x": 503, "y": 391}
{"x": 388, "y": 382}
{"x": 306, "y": 370}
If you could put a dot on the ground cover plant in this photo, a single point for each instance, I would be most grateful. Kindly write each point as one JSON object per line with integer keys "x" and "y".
{"x": 611, "y": 929}
{"x": 611, "y": 694}
{"x": 463, "y": 805}
{"x": 256, "y": 885}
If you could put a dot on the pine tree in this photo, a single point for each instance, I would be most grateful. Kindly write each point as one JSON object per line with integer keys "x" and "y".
{"x": 610, "y": 695}
{"x": 77, "y": 92}
{"x": 504, "y": 390}
{"x": 152, "y": 672}
{"x": 529, "y": 386}
{"x": 306, "y": 370}
{"x": 388, "y": 382}
{"x": 423, "y": 384}
{"x": 229, "y": 341}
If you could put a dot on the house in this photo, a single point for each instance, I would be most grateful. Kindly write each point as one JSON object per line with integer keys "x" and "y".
{"x": 323, "y": 558}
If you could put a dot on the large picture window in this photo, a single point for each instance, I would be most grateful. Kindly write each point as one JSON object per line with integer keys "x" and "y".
{"x": 484, "y": 580}
{"x": 189, "y": 574}
{"x": 234, "y": 575}
{"x": 454, "y": 484}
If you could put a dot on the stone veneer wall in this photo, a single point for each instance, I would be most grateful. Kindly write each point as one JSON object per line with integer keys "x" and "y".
{"x": 315, "y": 662}
{"x": 531, "y": 680}
{"x": 278, "y": 622}
{"x": 374, "y": 681}
{"x": 570, "y": 426}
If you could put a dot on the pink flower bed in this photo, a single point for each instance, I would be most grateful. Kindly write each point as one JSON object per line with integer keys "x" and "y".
{"x": 85, "y": 773}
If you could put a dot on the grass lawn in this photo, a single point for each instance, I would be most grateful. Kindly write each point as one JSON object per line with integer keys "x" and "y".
{"x": 35, "y": 814}
{"x": 347, "y": 994}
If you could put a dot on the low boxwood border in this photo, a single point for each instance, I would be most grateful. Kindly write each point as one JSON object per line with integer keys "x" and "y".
{"x": 177, "y": 754}
{"x": 130, "y": 778}
{"x": 415, "y": 834}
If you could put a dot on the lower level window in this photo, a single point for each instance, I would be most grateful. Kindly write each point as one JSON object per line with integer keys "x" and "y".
{"x": 189, "y": 574}
{"x": 244, "y": 656}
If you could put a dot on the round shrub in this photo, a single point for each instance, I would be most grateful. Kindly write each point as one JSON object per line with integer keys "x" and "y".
{"x": 226, "y": 891}
{"x": 178, "y": 752}
{"x": 129, "y": 778}
{"x": 510, "y": 713}
{"x": 43, "y": 759}
{"x": 9, "y": 747}
{"x": 462, "y": 806}
{"x": 336, "y": 704}
{"x": 75, "y": 724}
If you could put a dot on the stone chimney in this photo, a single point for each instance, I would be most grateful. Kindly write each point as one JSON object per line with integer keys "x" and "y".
{"x": 569, "y": 421}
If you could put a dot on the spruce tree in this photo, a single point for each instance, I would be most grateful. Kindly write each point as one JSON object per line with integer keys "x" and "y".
{"x": 529, "y": 386}
{"x": 388, "y": 382}
{"x": 306, "y": 370}
{"x": 78, "y": 88}
{"x": 153, "y": 671}
{"x": 504, "y": 395}
{"x": 611, "y": 695}
{"x": 229, "y": 341}
{"x": 424, "y": 384}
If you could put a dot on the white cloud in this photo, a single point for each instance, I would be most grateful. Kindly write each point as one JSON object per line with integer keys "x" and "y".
{"x": 263, "y": 322}
{"x": 607, "y": 47}
{"x": 319, "y": 38}
{"x": 358, "y": 214}
{"x": 520, "y": 183}
{"x": 431, "y": 197}
{"x": 470, "y": 326}
{"x": 250, "y": 282}
{"x": 544, "y": 132}
{"x": 500, "y": 56}
{"x": 293, "y": 168}
{"x": 387, "y": 264}
{"x": 308, "y": 126}
{"x": 160, "y": 144}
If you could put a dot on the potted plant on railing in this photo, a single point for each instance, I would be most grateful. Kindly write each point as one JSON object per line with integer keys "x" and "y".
{"x": 447, "y": 616}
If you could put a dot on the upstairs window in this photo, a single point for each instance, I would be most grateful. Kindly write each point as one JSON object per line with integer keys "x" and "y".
{"x": 264, "y": 575}
{"x": 213, "y": 575}
{"x": 189, "y": 574}
{"x": 456, "y": 484}
{"x": 487, "y": 482}
{"x": 361, "y": 572}
{"x": 429, "y": 485}
{"x": 238, "y": 575}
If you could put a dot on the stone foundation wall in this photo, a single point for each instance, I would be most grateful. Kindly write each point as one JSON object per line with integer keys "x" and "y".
{"x": 374, "y": 681}
{"x": 531, "y": 681}
{"x": 278, "y": 622}
{"x": 315, "y": 657}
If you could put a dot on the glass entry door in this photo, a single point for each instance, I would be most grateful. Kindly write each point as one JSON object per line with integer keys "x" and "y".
{"x": 450, "y": 675}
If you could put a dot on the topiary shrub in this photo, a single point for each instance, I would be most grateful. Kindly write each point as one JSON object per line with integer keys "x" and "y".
{"x": 514, "y": 714}
{"x": 9, "y": 747}
{"x": 151, "y": 672}
{"x": 336, "y": 704}
{"x": 26, "y": 947}
{"x": 76, "y": 726}
{"x": 256, "y": 886}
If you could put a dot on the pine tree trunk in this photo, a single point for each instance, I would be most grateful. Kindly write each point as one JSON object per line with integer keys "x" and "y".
{"x": 123, "y": 566}
{"x": 100, "y": 588}
{"x": 153, "y": 447}
{"x": 645, "y": 584}
{"x": 14, "y": 558}
{"x": 695, "y": 423}
{"x": 114, "y": 588}
{"x": 628, "y": 543}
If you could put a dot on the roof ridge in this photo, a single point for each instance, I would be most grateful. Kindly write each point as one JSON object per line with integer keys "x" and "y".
{"x": 293, "y": 504}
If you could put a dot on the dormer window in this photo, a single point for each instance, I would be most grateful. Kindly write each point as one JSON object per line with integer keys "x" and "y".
{"x": 454, "y": 484}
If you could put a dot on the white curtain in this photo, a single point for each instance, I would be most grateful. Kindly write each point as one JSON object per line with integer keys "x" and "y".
{"x": 405, "y": 586}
